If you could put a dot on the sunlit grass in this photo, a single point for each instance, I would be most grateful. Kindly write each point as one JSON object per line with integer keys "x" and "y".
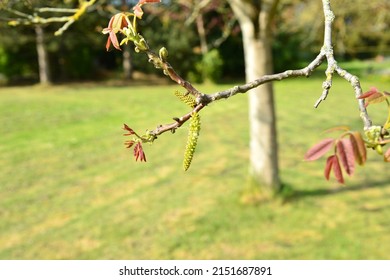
{"x": 70, "y": 190}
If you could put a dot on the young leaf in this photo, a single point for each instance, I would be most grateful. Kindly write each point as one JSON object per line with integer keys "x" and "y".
{"x": 129, "y": 143}
{"x": 332, "y": 163}
{"x": 128, "y": 129}
{"x": 139, "y": 152}
{"x": 345, "y": 152}
{"x": 319, "y": 149}
{"x": 373, "y": 96}
{"x": 328, "y": 166}
{"x": 338, "y": 173}
{"x": 359, "y": 149}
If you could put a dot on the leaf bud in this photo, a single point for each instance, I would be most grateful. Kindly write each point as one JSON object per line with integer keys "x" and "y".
{"x": 163, "y": 54}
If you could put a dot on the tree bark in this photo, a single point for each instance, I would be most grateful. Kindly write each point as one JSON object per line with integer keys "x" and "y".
{"x": 254, "y": 18}
{"x": 127, "y": 65}
{"x": 43, "y": 61}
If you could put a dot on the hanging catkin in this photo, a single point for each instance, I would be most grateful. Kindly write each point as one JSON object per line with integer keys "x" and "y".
{"x": 192, "y": 140}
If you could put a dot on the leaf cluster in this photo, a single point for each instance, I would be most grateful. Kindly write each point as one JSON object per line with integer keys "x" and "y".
{"x": 350, "y": 147}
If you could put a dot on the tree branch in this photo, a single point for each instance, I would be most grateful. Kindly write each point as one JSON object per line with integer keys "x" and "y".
{"x": 326, "y": 53}
{"x": 26, "y": 19}
{"x": 334, "y": 67}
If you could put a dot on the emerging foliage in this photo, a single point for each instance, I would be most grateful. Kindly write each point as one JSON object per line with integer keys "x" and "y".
{"x": 350, "y": 147}
{"x": 319, "y": 149}
{"x": 347, "y": 149}
{"x": 137, "y": 141}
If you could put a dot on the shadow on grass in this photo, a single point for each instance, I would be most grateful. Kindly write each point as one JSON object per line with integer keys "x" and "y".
{"x": 289, "y": 194}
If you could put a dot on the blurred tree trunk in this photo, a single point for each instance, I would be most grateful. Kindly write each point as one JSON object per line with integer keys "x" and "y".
{"x": 43, "y": 61}
{"x": 126, "y": 63}
{"x": 255, "y": 18}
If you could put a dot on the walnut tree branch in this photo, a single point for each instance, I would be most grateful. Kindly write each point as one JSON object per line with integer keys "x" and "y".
{"x": 334, "y": 67}
{"x": 326, "y": 54}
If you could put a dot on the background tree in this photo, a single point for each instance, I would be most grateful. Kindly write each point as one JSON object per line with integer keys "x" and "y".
{"x": 302, "y": 17}
{"x": 256, "y": 19}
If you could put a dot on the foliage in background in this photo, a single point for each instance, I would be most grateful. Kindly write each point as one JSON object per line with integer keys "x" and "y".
{"x": 351, "y": 146}
{"x": 351, "y": 42}
{"x": 295, "y": 22}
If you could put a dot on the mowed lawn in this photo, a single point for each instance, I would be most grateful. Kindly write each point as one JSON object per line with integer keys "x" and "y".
{"x": 70, "y": 190}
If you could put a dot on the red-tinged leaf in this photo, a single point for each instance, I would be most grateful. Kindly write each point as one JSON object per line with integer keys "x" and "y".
{"x": 114, "y": 40}
{"x": 386, "y": 156}
{"x": 332, "y": 163}
{"x": 130, "y": 131}
{"x": 359, "y": 148}
{"x": 346, "y": 155}
{"x": 319, "y": 149}
{"x": 139, "y": 153}
{"x": 338, "y": 173}
{"x": 373, "y": 96}
{"x": 138, "y": 11}
{"x": 129, "y": 143}
{"x": 137, "y": 8}
{"x": 328, "y": 166}
{"x": 369, "y": 93}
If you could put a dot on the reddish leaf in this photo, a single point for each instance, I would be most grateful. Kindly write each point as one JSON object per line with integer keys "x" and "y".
{"x": 130, "y": 131}
{"x": 138, "y": 11}
{"x": 369, "y": 93}
{"x": 345, "y": 152}
{"x": 332, "y": 163}
{"x": 116, "y": 23}
{"x": 137, "y": 8}
{"x": 373, "y": 96}
{"x": 139, "y": 153}
{"x": 387, "y": 155}
{"x": 129, "y": 143}
{"x": 359, "y": 149}
{"x": 338, "y": 173}
{"x": 319, "y": 149}
{"x": 328, "y": 166}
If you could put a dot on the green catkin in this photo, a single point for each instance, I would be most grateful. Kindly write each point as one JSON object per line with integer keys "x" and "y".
{"x": 192, "y": 140}
{"x": 186, "y": 98}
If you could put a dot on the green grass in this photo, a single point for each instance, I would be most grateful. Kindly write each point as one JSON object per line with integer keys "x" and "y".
{"x": 70, "y": 190}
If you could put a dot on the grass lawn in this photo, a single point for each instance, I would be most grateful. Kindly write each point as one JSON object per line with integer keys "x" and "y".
{"x": 70, "y": 190}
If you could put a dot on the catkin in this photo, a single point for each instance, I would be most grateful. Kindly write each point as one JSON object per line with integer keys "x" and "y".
{"x": 186, "y": 98}
{"x": 192, "y": 140}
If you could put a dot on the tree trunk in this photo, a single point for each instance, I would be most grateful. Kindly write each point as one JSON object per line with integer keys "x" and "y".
{"x": 254, "y": 21}
{"x": 127, "y": 65}
{"x": 43, "y": 61}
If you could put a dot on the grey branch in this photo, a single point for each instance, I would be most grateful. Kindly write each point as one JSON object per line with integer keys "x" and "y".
{"x": 326, "y": 53}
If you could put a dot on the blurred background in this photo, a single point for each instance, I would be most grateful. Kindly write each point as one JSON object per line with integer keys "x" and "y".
{"x": 70, "y": 190}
